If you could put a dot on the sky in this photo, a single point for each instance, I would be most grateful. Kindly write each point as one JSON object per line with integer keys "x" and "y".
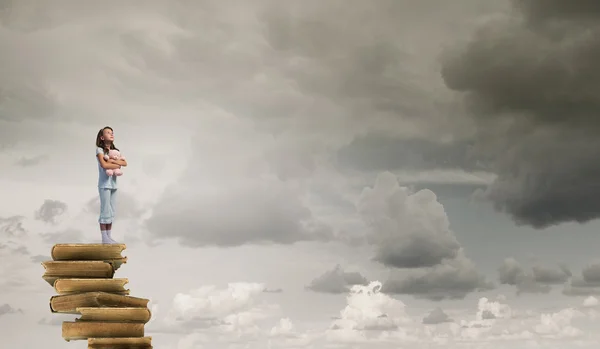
{"x": 311, "y": 174}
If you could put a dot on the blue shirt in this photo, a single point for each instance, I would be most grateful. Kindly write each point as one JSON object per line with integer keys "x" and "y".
{"x": 104, "y": 180}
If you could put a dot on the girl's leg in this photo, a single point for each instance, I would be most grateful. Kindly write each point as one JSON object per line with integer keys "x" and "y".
{"x": 113, "y": 194}
{"x": 105, "y": 214}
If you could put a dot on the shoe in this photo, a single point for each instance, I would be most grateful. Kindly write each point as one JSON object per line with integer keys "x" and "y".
{"x": 105, "y": 238}
{"x": 110, "y": 239}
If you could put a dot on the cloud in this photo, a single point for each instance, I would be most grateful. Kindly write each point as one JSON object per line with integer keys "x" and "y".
{"x": 586, "y": 284}
{"x": 8, "y": 309}
{"x": 230, "y": 314}
{"x": 590, "y": 301}
{"x": 538, "y": 280}
{"x": 231, "y": 209}
{"x": 336, "y": 281}
{"x": 487, "y": 309}
{"x": 286, "y": 335}
{"x": 371, "y": 316}
{"x": 31, "y": 161}
{"x": 49, "y": 210}
{"x": 409, "y": 230}
{"x": 436, "y": 316}
{"x": 12, "y": 227}
{"x": 536, "y": 117}
{"x": 301, "y": 72}
{"x": 12, "y": 235}
{"x": 452, "y": 279}
{"x": 498, "y": 323}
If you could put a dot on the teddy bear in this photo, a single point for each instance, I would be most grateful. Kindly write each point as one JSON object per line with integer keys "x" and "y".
{"x": 115, "y": 155}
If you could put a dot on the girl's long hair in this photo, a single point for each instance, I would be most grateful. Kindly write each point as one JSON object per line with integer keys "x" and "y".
{"x": 100, "y": 143}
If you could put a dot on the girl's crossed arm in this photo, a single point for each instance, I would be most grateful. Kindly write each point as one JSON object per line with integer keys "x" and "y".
{"x": 106, "y": 164}
{"x": 120, "y": 162}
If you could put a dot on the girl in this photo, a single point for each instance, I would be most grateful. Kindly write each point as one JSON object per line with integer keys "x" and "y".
{"x": 107, "y": 185}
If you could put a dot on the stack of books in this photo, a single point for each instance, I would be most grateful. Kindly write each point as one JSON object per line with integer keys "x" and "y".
{"x": 82, "y": 275}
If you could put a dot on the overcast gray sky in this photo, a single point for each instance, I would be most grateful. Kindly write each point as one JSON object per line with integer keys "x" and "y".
{"x": 311, "y": 174}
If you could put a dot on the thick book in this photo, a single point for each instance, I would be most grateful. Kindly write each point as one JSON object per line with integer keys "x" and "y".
{"x": 113, "y": 314}
{"x": 69, "y": 303}
{"x": 74, "y": 285}
{"x": 86, "y": 329}
{"x": 120, "y": 343}
{"x": 55, "y": 270}
{"x": 97, "y": 252}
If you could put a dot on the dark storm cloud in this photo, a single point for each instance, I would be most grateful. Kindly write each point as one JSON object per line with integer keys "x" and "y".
{"x": 538, "y": 280}
{"x": 402, "y": 238}
{"x": 549, "y": 9}
{"x": 336, "y": 281}
{"x": 436, "y": 316}
{"x": 531, "y": 83}
{"x": 49, "y": 210}
{"x": 411, "y": 230}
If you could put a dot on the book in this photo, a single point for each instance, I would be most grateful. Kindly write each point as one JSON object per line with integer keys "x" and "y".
{"x": 69, "y": 303}
{"x": 120, "y": 343}
{"x": 110, "y": 314}
{"x": 77, "y": 269}
{"x": 69, "y": 252}
{"x": 75, "y": 285}
{"x": 78, "y": 330}
{"x": 82, "y": 276}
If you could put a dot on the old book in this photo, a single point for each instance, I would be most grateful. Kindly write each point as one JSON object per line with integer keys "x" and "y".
{"x": 69, "y": 303}
{"x": 120, "y": 343}
{"x": 88, "y": 329}
{"x": 72, "y": 285}
{"x": 98, "y": 252}
{"x": 76, "y": 269}
{"x": 112, "y": 314}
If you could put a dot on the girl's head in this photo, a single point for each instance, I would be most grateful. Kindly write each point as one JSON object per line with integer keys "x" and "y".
{"x": 105, "y": 139}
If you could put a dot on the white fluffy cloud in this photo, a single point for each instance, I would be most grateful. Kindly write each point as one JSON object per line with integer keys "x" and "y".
{"x": 371, "y": 316}
{"x": 231, "y": 314}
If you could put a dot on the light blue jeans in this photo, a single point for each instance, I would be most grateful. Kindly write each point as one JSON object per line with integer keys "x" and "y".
{"x": 107, "y": 205}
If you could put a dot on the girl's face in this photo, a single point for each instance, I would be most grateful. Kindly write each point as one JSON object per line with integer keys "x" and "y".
{"x": 107, "y": 135}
